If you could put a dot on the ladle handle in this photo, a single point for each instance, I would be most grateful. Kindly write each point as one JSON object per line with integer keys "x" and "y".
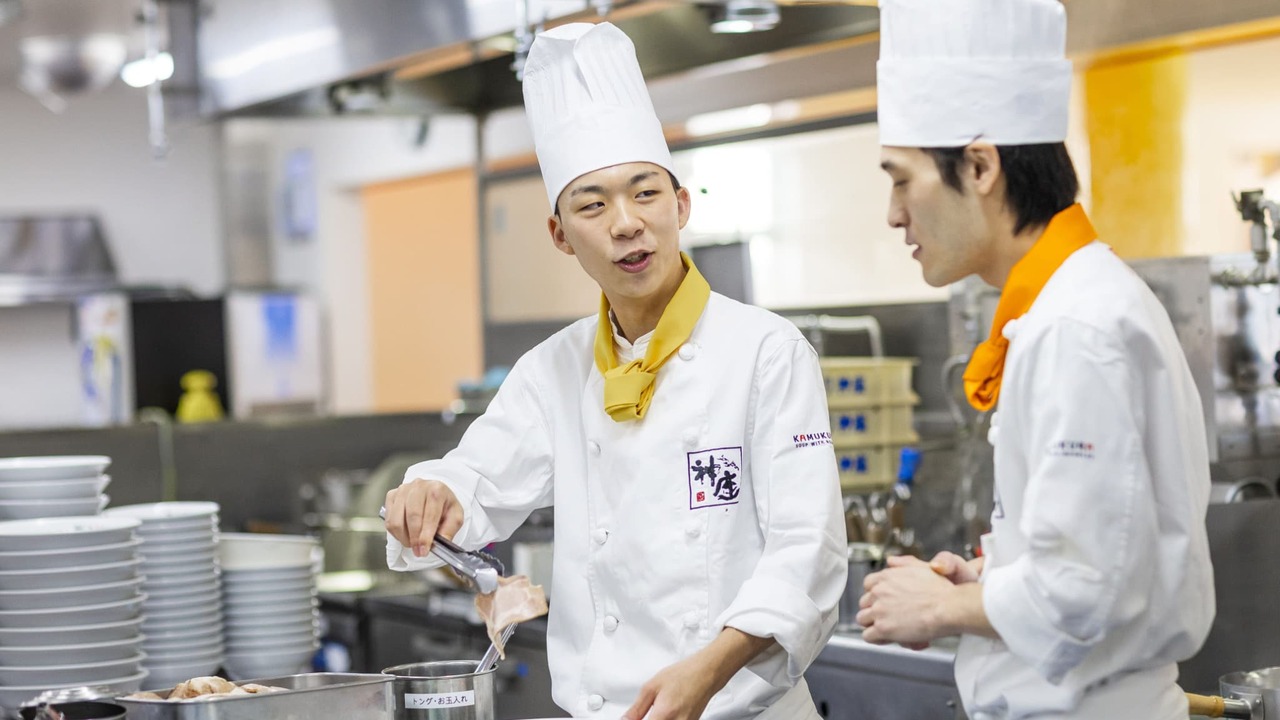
{"x": 1218, "y": 707}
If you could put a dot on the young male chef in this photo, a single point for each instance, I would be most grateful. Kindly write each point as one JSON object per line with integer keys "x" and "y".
{"x": 1095, "y": 579}
{"x": 682, "y": 438}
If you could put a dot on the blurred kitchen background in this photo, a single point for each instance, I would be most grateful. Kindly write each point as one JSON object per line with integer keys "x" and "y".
{"x": 332, "y": 209}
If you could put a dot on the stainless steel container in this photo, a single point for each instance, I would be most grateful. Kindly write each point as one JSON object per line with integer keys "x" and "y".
{"x": 446, "y": 690}
{"x": 349, "y": 696}
{"x": 864, "y": 559}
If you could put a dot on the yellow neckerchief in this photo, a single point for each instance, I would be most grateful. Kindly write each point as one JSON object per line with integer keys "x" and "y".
{"x": 1067, "y": 232}
{"x": 628, "y": 389}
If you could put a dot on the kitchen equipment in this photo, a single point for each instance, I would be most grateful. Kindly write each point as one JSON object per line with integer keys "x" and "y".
{"x": 81, "y": 710}
{"x": 1242, "y": 490}
{"x": 1254, "y": 695}
{"x": 864, "y": 559}
{"x": 445, "y": 690}
{"x": 349, "y": 696}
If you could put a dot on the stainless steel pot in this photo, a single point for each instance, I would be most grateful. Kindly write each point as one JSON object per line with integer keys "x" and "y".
{"x": 448, "y": 690}
{"x": 1254, "y": 695}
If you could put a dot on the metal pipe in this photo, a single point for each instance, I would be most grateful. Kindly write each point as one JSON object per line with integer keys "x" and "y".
{"x": 840, "y": 324}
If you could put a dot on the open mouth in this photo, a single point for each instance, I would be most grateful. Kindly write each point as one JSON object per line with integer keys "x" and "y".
{"x": 636, "y": 261}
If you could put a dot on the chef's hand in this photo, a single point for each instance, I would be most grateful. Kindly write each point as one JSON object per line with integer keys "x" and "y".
{"x": 678, "y": 692}
{"x": 905, "y": 604}
{"x": 682, "y": 691}
{"x": 955, "y": 568}
{"x": 419, "y": 509}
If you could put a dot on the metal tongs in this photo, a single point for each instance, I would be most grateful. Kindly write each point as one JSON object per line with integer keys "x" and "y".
{"x": 479, "y": 570}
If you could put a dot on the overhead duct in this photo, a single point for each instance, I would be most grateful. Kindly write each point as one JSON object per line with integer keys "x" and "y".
{"x": 421, "y": 56}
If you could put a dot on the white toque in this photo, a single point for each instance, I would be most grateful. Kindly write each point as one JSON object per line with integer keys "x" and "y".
{"x": 588, "y": 105}
{"x": 955, "y": 71}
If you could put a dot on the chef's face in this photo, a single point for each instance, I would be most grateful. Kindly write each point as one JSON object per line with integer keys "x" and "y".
{"x": 623, "y": 225}
{"x": 945, "y": 226}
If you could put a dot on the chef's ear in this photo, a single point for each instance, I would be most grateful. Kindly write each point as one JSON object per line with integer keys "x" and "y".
{"x": 684, "y": 204}
{"x": 556, "y": 227}
{"x": 982, "y": 161}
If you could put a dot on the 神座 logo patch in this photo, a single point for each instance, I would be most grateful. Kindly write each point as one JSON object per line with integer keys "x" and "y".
{"x": 715, "y": 477}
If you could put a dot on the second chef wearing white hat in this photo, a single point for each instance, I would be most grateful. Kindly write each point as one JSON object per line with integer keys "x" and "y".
{"x": 682, "y": 438}
{"x": 1095, "y": 578}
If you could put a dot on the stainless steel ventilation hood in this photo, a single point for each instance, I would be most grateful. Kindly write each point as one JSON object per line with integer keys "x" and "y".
{"x": 51, "y": 259}
{"x": 324, "y": 57}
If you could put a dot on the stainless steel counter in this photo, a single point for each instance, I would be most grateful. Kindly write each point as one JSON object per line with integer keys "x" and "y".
{"x": 855, "y": 680}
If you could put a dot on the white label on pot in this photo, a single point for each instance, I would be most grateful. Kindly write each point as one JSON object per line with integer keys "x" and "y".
{"x": 424, "y": 701}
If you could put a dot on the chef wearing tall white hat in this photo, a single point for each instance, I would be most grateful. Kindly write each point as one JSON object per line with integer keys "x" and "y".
{"x": 1095, "y": 578}
{"x": 682, "y": 438}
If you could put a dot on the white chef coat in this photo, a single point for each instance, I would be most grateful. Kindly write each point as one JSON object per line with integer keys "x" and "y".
{"x": 653, "y": 558}
{"x": 1097, "y": 572}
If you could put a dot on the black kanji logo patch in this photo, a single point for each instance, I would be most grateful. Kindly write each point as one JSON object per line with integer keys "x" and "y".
{"x": 715, "y": 477}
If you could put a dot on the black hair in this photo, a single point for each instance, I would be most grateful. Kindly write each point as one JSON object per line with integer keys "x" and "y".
{"x": 1041, "y": 179}
{"x": 675, "y": 185}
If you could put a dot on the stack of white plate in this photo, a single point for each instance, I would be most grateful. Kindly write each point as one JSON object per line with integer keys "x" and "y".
{"x": 70, "y": 603}
{"x": 36, "y": 487}
{"x": 183, "y": 609}
{"x": 269, "y": 603}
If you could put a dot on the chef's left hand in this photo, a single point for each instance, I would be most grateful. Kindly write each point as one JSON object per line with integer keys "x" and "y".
{"x": 905, "y": 604}
{"x": 678, "y": 692}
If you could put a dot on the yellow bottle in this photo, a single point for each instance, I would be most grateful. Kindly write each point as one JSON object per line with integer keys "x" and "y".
{"x": 199, "y": 403}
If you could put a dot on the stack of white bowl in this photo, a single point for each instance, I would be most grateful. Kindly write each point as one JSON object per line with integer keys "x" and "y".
{"x": 70, "y": 604}
{"x": 269, "y": 603}
{"x": 183, "y": 624}
{"x": 36, "y": 487}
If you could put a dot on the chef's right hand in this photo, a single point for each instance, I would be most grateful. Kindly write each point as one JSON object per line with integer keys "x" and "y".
{"x": 955, "y": 568}
{"x": 419, "y": 509}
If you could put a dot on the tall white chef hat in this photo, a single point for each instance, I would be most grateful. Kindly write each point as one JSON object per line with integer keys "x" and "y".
{"x": 955, "y": 71}
{"x": 588, "y": 105}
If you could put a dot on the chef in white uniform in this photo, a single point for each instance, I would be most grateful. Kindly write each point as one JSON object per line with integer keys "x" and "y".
{"x": 681, "y": 437}
{"x": 1095, "y": 579}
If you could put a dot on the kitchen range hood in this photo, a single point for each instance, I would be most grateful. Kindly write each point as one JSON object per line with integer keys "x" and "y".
{"x": 53, "y": 259}
{"x": 329, "y": 57}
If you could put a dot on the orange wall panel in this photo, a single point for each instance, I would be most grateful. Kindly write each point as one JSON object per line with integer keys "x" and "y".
{"x": 424, "y": 286}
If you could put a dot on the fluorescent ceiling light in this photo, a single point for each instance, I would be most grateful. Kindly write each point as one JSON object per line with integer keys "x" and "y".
{"x": 723, "y": 121}
{"x": 141, "y": 73}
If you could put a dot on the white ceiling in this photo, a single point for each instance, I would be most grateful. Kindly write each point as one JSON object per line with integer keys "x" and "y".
{"x": 65, "y": 17}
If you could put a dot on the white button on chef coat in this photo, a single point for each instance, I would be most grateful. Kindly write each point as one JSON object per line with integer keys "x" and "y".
{"x": 691, "y": 620}
{"x": 595, "y": 702}
{"x": 610, "y": 623}
{"x": 693, "y": 530}
{"x": 688, "y": 351}
{"x": 993, "y": 432}
{"x": 593, "y": 447}
{"x": 690, "y": 439}
{"x": 601, "y": 536}
{"x": 1010, "y": 329}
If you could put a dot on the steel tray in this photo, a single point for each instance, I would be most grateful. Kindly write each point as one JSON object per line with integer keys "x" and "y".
{"x": 349, "y": 696}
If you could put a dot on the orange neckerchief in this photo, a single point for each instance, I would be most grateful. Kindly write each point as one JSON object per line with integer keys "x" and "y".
{"x": 1067, "y": 232}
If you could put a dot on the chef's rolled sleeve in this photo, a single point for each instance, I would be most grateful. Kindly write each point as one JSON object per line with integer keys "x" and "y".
{"x": 792, "y": 595}
{"x": 1089, "y": 516}
{"x": 500, "y": 472}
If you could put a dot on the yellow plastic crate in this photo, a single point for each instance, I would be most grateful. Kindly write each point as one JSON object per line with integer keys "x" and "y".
{"x": 881, "y": 425}
{"x": 867, "y": 381}
{"x": 873, "y": 467}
